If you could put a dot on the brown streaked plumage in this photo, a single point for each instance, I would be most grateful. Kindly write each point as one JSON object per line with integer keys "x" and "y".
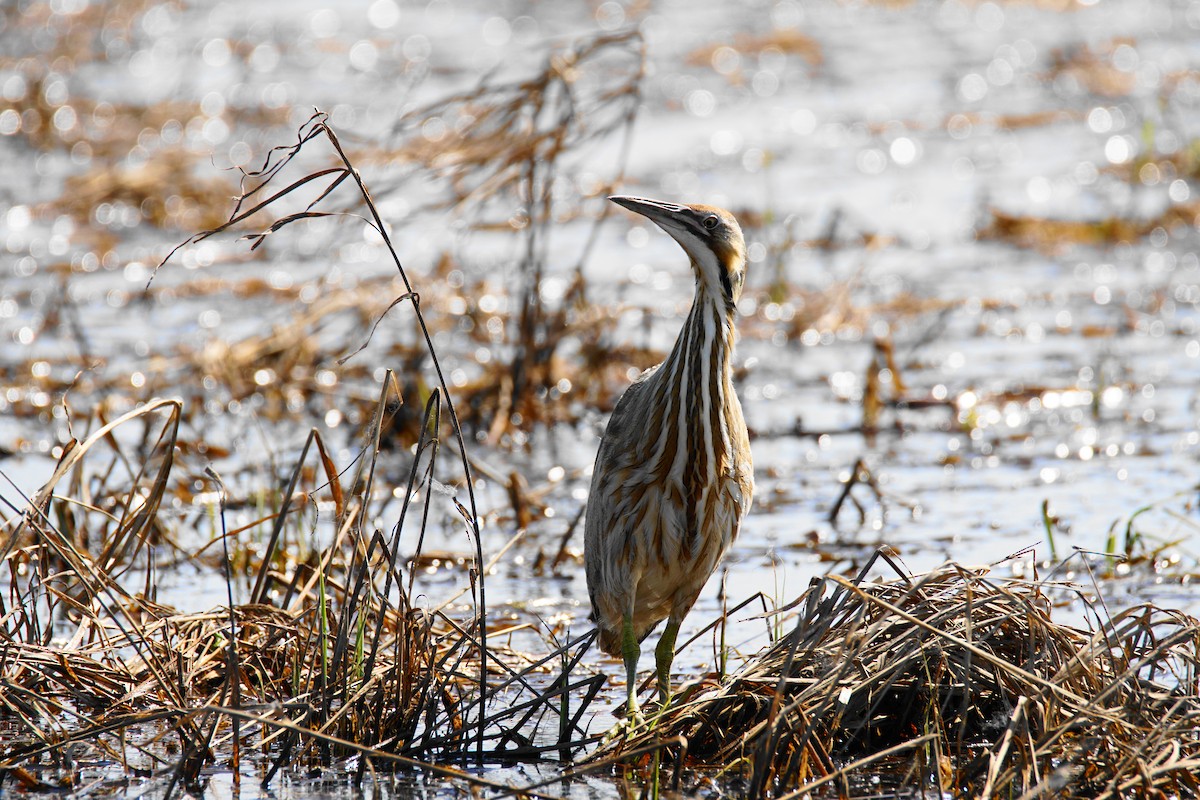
{"x": 673, "y": 476}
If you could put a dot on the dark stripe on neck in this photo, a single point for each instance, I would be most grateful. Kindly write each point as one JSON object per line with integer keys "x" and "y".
{"x": 726, "y": 286}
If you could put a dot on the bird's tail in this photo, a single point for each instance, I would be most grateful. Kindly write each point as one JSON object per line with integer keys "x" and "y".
{"x": 609, "y": 640}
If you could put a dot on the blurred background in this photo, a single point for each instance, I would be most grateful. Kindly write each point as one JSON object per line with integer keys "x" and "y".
{"x": 970, "y": 329}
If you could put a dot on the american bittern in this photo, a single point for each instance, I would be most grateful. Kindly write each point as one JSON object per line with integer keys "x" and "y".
{"x": 673, "y": 477}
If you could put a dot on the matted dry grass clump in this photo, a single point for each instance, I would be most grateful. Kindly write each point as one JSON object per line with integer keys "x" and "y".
{"x": 327, "y": 659}
{"x": 955, "y": 681}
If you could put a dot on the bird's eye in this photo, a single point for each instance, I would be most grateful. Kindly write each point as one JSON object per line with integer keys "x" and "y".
{"x": 711, "y": 221}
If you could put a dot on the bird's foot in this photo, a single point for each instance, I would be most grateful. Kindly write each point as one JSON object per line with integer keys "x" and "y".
{"x": 630, "y": 720}
{"x": 625, "y": 727}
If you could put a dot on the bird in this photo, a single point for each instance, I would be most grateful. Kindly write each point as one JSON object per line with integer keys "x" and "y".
{"x": 673, "y": 477}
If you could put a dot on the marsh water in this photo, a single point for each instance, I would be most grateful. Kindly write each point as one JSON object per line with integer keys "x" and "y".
{"x": 1045, "y": 377}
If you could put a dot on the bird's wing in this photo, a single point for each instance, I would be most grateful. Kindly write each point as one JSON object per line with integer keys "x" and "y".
{"x": 604, "y": 532}
{"x": 625, "y": 427}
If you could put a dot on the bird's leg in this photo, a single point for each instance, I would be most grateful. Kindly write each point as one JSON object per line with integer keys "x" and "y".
{"x": 631, "y": 651}
{"x": 664, "y": 654}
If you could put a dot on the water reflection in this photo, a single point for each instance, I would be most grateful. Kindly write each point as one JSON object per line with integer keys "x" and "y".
{"x": 1014, "y": 212}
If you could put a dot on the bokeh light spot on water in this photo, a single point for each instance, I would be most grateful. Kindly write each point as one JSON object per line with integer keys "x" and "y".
{"x": 434, "y": 129}
{"x": 496, "y": 31}
{"x": 753, "y": 160}
{"x": 64, "y": 119}
{"x": 1125, "y": 58}
{"x": 802, "y": 121}
{"x": 1039, "y": 189}
{"x": 18, "y": 218}
{"x": 1000, "y": 72}
{"x": 765, "y": 83}
{"x": 240, "y": 154}
{"x": 1100, "y": 120}
{"x": 972, "y": 88}
{"x": 725, "y": 142}
{"x": 264, "y": 57}
{"x": 1118, "y": 149}
{"x": 989, "y": 16}
{"x": 700, "y": 103}
{"x": 54, "y": 90}
{"x": 959, "y": 126}
{"x": 904, "y": 151}
{"x": 363, "y": 55}
{"x": 14, "y": 87}
{"x": 383, "y": 14}
{"x": 216, "y": 53}
{"x": 871, "y": 161}
{"x": 10, "y": 122}
{"x": 726, "y": 60}
{"x": 324, "y": 23}
{"x": 215, "y": 131}
{"x": 610, "y": 15}
{"x": 213, "y": 104}
{"x": 417, "y": 48}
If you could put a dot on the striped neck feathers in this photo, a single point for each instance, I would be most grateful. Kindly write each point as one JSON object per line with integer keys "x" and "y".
{"x": 693, "y": 396}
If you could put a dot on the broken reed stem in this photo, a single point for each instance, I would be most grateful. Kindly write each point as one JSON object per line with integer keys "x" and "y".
{"x": 473, "y": 517}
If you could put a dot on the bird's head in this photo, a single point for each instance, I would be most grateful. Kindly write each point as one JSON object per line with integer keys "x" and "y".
{"x": 709, "y": 235}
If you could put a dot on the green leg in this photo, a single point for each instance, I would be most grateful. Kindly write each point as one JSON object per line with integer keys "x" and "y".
{"x": 664, "y": 654}
{"x": 631, "y": 651}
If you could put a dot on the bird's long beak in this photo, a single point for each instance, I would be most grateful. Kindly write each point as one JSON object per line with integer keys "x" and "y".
{"x": 657, "y": 211}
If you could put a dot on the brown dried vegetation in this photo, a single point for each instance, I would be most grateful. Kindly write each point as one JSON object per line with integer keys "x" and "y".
{"x": 1095, "y": 71}
{"x": 504, "y": 148}
{"x": 1053, "y": 236}
{"x": 782, "y": 41}
{"x": 954, "y": 680}
{"x": 113, "y": 141}
{"x": 327, "y": 658}
{"x": 951, "y": 678}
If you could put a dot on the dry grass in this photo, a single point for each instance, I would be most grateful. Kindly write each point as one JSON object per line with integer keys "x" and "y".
{"x": 1053, "y": 236}
{"x": 1094, "y": 70}
{"x": 328, "y": 657}
{"x": 514, "y": 145}
{"x": 121, "y": 147}
{"x": 782, "y": 42}
{"x": 952, "y": 680}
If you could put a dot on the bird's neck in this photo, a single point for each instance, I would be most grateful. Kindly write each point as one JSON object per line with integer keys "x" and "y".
{"x": 705, "y": 342}
{"x": 695, "y": 395}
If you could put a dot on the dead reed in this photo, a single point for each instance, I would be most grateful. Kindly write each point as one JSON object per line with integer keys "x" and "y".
{"x": 505, "y": 153}
{"x": 328, "y": 658}
{"x": 952, "y": 679}
{"x": 955, "y": 681}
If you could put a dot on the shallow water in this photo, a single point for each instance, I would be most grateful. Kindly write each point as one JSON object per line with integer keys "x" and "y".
{"x": 1069, "y": 377}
